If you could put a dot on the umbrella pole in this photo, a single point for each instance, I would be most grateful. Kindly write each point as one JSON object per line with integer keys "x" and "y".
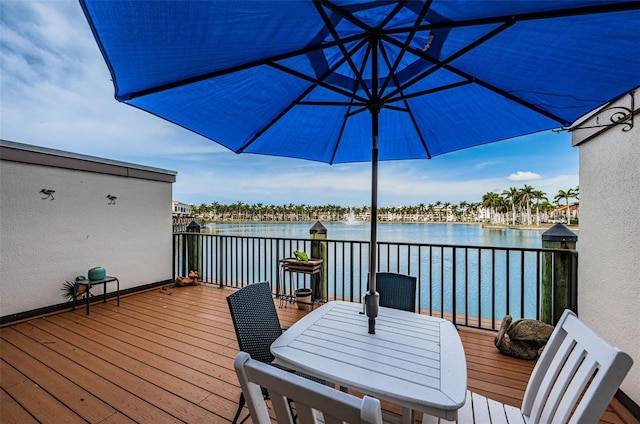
{"x": 372, "y": 298}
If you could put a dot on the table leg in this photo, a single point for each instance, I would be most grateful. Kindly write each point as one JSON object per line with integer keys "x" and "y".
{"x": 75, "y": 293}
{"x": 118, "y": 291}
{"x": 87, "y": 296}
{"x": 407, "y": 415}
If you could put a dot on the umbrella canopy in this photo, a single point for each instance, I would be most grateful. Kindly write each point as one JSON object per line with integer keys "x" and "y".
{"x": 355, "y": 80}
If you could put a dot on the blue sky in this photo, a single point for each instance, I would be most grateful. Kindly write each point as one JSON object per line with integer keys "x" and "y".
{"x": 55, "y": 91}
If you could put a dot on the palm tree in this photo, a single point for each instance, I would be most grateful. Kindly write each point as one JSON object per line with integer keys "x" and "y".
{"x": 546, "y": 207}
{"x": 526, "y": 194}
{"x": 447, "y": 209}
{"x": 468, "y": 212}
{"x": 538, "y": 195}
{"x": 502, "y": 210}
{"x": 566, "y": 195}
{"x": 437, "y": 205}
{"x": 214, "y": 210}
{"x": 455, "y": 212}
{"x": 463, "y": 209}
{"x": 430, "y": 211}
{"x": 490, "y": 200}
{"x": 511, "y": 196}
{"x": 498, "y": 206}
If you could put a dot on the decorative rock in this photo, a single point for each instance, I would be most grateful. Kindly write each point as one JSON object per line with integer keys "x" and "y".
{"x": 192, "y": 280}
{"x": 530, "y": 329}
{"x": 523, "y": 338}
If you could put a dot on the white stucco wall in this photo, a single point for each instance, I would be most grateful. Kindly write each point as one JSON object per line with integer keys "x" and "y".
{"x": 609, "y": 262}
{"x": 47, "y": 242}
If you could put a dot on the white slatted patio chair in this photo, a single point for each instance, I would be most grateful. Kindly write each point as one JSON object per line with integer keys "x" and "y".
{"x": 313, "y": 402}
{"x": 573, "y": 381}
{"x": 256, "y": 323}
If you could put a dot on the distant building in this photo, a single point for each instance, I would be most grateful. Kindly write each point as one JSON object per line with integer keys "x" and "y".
{"x": 560, "y": 214}
{"x": 180, "y": 210}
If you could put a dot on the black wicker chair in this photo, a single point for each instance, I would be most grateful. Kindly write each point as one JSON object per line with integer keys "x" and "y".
{"x": 397, "y": 290}
{"x": 257, "y": 325}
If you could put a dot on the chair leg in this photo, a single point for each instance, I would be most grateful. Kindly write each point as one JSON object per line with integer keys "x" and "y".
{"x": 241, "y": 403}
{"x": 245, "y": 418}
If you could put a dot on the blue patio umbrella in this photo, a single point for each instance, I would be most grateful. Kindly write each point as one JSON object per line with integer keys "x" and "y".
{"x": 356, "y": 80}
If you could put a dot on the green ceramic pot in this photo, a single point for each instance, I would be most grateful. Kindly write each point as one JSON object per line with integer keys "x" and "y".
{"x": 97, "y": 273}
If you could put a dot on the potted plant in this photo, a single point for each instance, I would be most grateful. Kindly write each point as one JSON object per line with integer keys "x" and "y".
{"x": 69, "y": 289}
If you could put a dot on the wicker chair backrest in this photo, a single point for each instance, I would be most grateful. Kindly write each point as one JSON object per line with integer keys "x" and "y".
{"x": 255, "y": 320}
{"x": 396, "y": 290}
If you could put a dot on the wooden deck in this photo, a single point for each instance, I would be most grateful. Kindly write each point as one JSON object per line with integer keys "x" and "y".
{"x": 166, "y": 355}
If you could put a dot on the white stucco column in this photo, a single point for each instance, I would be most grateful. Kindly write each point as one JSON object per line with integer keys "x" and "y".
{"x": 609, "y": 257}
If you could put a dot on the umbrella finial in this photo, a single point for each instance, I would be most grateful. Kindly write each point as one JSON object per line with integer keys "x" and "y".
{"x": 429, "y": 41}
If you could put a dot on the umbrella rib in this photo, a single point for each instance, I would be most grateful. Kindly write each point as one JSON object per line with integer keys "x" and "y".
{"x": 319, "y": 81}
{"x": 443, "y": 63}
{"x": 415, "y": 124}
{"x": 471, "y": 79}
{"x": 357, "y": 111}
{"x": 357, "y": 22}
{"x": 406, "y": 104}
{"x": 395, "y": 11}
{"x": 339, "y": 139}
{"x": 396, "y": 108}
{"x": 274, "y": 120}
{"x": 560, "y": 13}
{"x": 407, "y": 41}
{"x": 315, "y": 82}
{"x": 321, "y": 103}
{"x": 508, "y": 95}
{"x": 404, "y": 96}
{"x": 237, "y": 68}
{"x": 341, "y": 45}
{"x": 349, "y": 113}
{"x": 342, "y": 12}
{"x": 349, "y": 16}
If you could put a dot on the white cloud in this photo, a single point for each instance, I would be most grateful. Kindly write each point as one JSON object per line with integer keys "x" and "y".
{"x": 486, "y": 164}
{"x": 57, "y": 91}
{"x": 524, "y": 176}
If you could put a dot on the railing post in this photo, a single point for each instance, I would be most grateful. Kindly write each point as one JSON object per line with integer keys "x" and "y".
{"x": 194, "y": 250}
{"x": 319, "y": 251}
{"x": 558, "y": 289}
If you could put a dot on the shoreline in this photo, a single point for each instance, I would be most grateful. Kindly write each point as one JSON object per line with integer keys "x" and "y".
{"x": 533, "y": 227}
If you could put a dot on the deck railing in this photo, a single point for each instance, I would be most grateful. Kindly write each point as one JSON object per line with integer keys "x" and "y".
{"x": 470, "y": 285}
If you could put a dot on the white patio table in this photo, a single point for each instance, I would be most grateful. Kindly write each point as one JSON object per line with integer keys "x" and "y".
{"x": 413, "y": 360}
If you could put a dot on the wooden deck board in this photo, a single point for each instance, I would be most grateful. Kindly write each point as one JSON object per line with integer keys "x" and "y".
{"x": 166, "y": 355}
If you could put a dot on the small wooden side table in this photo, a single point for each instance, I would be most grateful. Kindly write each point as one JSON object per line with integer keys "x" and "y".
{"x": 311, "y": 267}
{"x": 91, "y": 283}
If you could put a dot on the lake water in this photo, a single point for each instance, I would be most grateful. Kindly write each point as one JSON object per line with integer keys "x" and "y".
{"x": 460, "y": 234}
{"x": 487, "y": 280}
